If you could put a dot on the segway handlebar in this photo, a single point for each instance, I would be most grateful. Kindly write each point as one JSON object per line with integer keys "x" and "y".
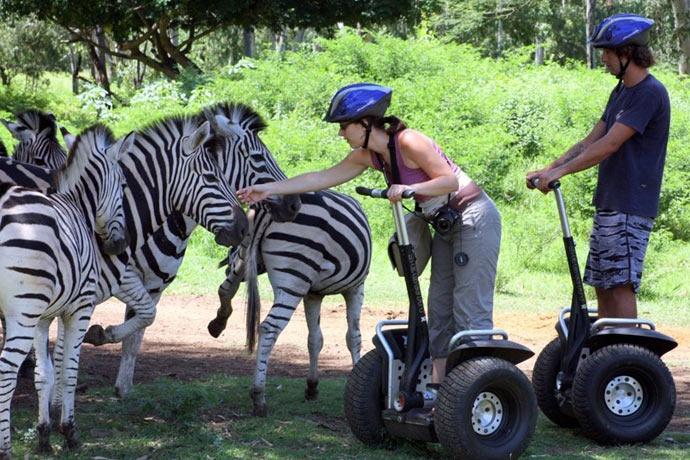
{"x": 553, "y": 185}
{"x": 380, "y": 192}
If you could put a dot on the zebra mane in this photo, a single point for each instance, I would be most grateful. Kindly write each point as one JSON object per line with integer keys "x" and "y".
{"x": 183, "y": 124}
{"x": 98, "y": 137}
{"x": 37, "y": 121}
{"x": 3, "y": 150}
{"x": 240, "y": 114}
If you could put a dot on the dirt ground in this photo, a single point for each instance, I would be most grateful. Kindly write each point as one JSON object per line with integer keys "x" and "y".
{"x": 178, "y": 345}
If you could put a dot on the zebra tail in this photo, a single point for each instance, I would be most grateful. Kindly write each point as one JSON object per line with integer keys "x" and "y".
{"x": 253, "y": 299}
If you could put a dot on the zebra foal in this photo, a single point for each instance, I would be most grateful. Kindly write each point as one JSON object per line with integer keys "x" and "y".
{"x": 325, "y": 250}
{"x": 49, "y": 268}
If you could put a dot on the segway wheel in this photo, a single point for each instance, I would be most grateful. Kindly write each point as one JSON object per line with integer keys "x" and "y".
{"x": 485, "y": 409}
{"x": 364, "y": 400}
{"x": 544, "y": 382}
{"x": 623, "y": 394}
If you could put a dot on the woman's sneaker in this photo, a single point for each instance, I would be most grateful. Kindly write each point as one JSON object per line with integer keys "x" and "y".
{"x": 430, "y": 394}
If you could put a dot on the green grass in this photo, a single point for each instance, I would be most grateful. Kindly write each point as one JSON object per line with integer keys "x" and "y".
{"x": 211, "y": 419}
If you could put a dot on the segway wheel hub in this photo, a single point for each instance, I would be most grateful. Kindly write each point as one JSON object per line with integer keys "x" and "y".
{"x": 623, "y": 395}
{"x": 487, "y": 413}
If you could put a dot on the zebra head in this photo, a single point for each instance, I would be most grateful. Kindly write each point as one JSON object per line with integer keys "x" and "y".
{"x": 204, "y": 195}
{"x": 94, "y": 179}
{"x": 246, "y": 160}
{"x": 37, "y": 135}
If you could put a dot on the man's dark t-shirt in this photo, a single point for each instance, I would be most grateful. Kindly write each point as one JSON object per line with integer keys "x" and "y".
{"x": 630, "y": 179}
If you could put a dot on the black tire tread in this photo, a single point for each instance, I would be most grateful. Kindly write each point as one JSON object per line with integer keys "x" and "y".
{"x": 449, "y": 420}
{"x": 362, "y": 406}
{"x": 544, "y": 375}
{"x": 583, "y": 407}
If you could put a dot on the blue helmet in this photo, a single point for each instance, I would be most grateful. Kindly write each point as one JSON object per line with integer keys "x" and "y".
{"x": 620, "y": 30}
{"x": 359, "y": 100}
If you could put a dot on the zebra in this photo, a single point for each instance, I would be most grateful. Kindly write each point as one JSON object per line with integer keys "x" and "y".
{"x": 326, "y": 250}
{"x": 49, "y": 268}
{"x": 172, "y": 168}
{"x": 36, "y": 132}
{"x": 245, "y": 160}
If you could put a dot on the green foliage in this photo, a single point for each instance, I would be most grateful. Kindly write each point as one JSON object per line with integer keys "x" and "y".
{"x": 29, "y": 47}
{"x": 497, "y": 119}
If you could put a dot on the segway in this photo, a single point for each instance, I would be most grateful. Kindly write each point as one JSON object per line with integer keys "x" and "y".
{"x": 603, "y": 375}
{"x": 485, "y": 407}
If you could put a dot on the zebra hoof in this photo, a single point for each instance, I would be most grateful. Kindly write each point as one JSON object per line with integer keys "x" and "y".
{"x": 43, "y": 431}
{"x": 311, "y": 392}
{"x": 95, "y": 335}
{"x": 216, "y": 326}
{"x": 5, "y": 455}
{"x": 69, "y": 431}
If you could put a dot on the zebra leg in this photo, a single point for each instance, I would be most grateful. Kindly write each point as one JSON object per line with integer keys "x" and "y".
{"x": 226, "y": 292}
{"x": 130, "y": 349}
{"x": 27, "y": 367}
{"x": 75, "y": 325}
{"x": 44, "y": 380}
{"x": 354, "y": 298}
{"x": 134, "y": 295}
{"x": 270, "y": 329}
{"x": 56, "y": 392}
{"x": 19, "y": 335}
{"x": 312, "y": 310}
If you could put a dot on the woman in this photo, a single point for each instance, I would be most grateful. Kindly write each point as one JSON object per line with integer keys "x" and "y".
{"x": 464, "y": 257}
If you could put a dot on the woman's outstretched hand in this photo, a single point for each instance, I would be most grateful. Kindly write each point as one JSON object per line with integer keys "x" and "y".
{"x": 253, "y": 194}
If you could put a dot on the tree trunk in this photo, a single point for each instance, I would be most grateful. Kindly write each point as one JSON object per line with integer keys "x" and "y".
{"x": 98, "y": 59}
{"x": 590, "y": 5}
{"x": 538, "y": 52}
{"x": 248, "y": 42}
{"x": 500, "y": 33}
{"x": 4, "y": 77}
{"x": 681, "y": 23}
{"x": 75, "y": 67}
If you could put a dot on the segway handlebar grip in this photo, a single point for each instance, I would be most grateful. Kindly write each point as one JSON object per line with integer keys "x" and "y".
{"x": 553, "y": 185}
{"x": 380, "y": 192}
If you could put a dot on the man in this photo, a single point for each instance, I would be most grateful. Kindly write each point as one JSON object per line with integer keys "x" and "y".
{"x": 629, "y": 145}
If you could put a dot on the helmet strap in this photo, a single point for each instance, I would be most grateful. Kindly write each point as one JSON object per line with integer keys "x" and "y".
{"x": 621, "y": 71}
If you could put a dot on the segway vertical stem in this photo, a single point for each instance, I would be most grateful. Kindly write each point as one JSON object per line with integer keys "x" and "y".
{"x": 579, "y": 324}
{"x": 417, "y": 331}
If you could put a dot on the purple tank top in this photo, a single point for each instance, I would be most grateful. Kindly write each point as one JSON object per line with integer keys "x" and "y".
{"x": 409, "y": 176}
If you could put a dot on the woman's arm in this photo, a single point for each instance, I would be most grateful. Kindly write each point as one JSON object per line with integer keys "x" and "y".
{"x": 418, "y": 151}
{"x": 350, "y": 167}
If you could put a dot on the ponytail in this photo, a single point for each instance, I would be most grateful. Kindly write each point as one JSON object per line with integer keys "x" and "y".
{"x": 394, "y": 124}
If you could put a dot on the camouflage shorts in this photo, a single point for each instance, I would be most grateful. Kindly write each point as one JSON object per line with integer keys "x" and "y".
{"x": 616, "y": 249}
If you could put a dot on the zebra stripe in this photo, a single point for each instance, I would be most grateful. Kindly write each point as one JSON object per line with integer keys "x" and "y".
{"x": 325, "y": 250}
{"x": 48, "y": 268}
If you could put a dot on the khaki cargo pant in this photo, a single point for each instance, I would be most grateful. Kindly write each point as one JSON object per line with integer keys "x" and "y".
{"x": 462, "y": 298}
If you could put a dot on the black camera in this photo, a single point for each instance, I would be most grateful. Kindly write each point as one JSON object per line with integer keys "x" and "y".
{"x": 444, "y": 219}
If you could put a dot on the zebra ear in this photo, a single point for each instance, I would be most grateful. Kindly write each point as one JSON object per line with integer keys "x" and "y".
{"x": 121, "y": 147}
{"x": 19, "y": 132}
{"x": 199, "y": 137}
{"x": 45, "y": 132}
{"x": 68, "y": 138}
